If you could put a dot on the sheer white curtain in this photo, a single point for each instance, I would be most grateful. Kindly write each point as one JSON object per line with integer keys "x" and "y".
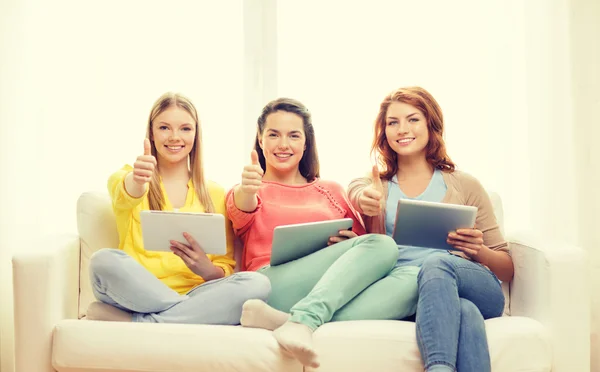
{"x": 105, "y": 66}
{"x": 585, "y": 33}
{"x": 78, "y": 80}
{"x": 499, "y": 69}
{"x": 468, "y": 54}
{"x": 518, "y": 83}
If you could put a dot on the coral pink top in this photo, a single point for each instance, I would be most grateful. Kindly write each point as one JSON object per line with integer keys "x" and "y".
{"x": 280, "y": 204}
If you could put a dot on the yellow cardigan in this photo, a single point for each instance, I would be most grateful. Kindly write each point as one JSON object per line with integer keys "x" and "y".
{"x": 166, "y": 266}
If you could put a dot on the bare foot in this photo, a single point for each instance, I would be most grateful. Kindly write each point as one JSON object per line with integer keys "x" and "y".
{"x": 296, "y": 339}
{"x": 101, "y": 311}
{"x": 257, "y": 314}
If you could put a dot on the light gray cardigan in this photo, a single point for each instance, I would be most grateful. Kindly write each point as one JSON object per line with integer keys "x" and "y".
{"x": 463, "y": 189}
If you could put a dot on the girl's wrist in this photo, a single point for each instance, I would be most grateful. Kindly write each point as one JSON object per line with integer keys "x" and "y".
{"x": 485, "y": 256}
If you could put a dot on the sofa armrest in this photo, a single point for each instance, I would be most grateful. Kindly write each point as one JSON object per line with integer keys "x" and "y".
{"x": 551, "y": 285}
{"x": 46, "y": 290}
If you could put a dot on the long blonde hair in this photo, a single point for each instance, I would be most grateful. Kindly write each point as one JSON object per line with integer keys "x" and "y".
{"x": 156, "y": 198}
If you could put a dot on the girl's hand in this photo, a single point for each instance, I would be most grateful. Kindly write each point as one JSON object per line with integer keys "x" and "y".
{"x": 470, "y": 241}
{"x": 252, "y": 176}
{"x": 196, "y": 259}
{"x": 370, "y": 200}
{"x": 144, "y": 166}
{"x": 343, "y": 235}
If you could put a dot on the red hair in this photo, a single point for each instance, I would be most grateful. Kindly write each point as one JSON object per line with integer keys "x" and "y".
{"x": 436, "y": 148}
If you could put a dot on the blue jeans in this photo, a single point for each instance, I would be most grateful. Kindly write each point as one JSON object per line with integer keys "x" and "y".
{"x": 120, "y": 281}
{"x": 455, "y": 296}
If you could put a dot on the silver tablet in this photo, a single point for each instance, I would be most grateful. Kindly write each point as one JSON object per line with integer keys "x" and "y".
{"x": 159, "y": 227}
{"x": 427, "y": 224}
{"x": 291, "y": 242}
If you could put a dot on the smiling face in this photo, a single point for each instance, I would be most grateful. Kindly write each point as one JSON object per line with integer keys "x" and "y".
{"x": 174, "y": 131}
{"x": 283, "y": 142}
{"x": 406, "y": 130}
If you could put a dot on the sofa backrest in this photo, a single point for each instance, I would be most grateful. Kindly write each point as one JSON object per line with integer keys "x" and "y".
{"x": 97, "y": 229}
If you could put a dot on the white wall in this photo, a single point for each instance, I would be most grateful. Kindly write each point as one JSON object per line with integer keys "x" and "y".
{"x": 517, "y": 80}
{"x": 11, "y": 55}
{"x": 78, "y": 81}
{"x": 585, "y": 35}
{"x": 499, "y": 69}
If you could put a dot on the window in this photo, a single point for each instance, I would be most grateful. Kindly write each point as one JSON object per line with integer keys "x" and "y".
{"x": 342, "y": 64}
{"x": 103, "y": 67}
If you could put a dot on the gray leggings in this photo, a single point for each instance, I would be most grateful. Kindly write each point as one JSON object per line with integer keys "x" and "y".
{"x": 120, "y": 281}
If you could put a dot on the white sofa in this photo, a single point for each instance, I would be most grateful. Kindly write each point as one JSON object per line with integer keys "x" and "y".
{"x": 547, "y": 329}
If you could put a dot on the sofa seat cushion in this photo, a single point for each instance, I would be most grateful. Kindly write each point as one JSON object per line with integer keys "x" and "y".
{"x": 84, "y": 345}
{"x": 517, "y": 344}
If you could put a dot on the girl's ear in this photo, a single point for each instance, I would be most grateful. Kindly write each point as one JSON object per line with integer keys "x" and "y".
{"x": 259, "y": 141}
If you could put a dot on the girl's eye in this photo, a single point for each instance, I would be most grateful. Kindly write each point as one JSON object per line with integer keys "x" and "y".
{"x": 162, "y": 127}
{"x": 272, "y": 135}
{"x": 413, "y": 120}
{"x": 187, "y": 129}
{"x": 392, "y": 123}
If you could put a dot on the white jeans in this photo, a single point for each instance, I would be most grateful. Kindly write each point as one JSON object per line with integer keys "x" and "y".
{"x": 119, "y": 280}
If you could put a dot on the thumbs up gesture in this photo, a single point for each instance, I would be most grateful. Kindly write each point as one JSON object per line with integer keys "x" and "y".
{"x": 252, "y": 176}
{"x": 370, "y": 200}
{"x": 144, "y": 166}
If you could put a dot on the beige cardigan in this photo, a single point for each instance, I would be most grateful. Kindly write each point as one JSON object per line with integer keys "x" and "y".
{"x": 463, "y": 189}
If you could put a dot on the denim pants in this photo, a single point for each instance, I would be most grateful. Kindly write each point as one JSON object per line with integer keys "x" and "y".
{"x": 120, "y": 281}
{"x": 350, "y": 280}
{"x": 455, "y": 296}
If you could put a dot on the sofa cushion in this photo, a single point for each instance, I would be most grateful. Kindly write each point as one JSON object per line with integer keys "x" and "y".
{"x": 499, "y": 212}
{"x": 84, "y": 345}
{"x": 516, "y": 344}
{"x": 97, "y": 229}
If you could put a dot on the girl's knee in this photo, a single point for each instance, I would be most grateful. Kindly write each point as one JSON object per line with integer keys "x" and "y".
{"x": 439, "y": 260}
{"x": 105, "y": 260}
{"x": 384, "y": 245}
{"x": 255, "y": 285}
{"x": 470, "y": 314}
{"x": 381, "y": 239}
{"x": 435, "y": 265}
{"x": 468, "y": 308}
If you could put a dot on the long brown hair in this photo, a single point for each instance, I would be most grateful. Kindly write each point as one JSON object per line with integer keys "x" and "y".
{"x": 156, "y": 198}
{"x": 436, "y": 148}
{"x": 309, "y": 164}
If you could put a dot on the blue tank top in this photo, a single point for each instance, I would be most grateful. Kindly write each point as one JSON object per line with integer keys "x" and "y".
{"x": 435, "y": 192}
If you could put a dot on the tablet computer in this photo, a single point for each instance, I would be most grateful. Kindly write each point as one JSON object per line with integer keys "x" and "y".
{"x": 159, "y": 227}
{"x": 427, "y": 224}
{"x": 291, "y": 242}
